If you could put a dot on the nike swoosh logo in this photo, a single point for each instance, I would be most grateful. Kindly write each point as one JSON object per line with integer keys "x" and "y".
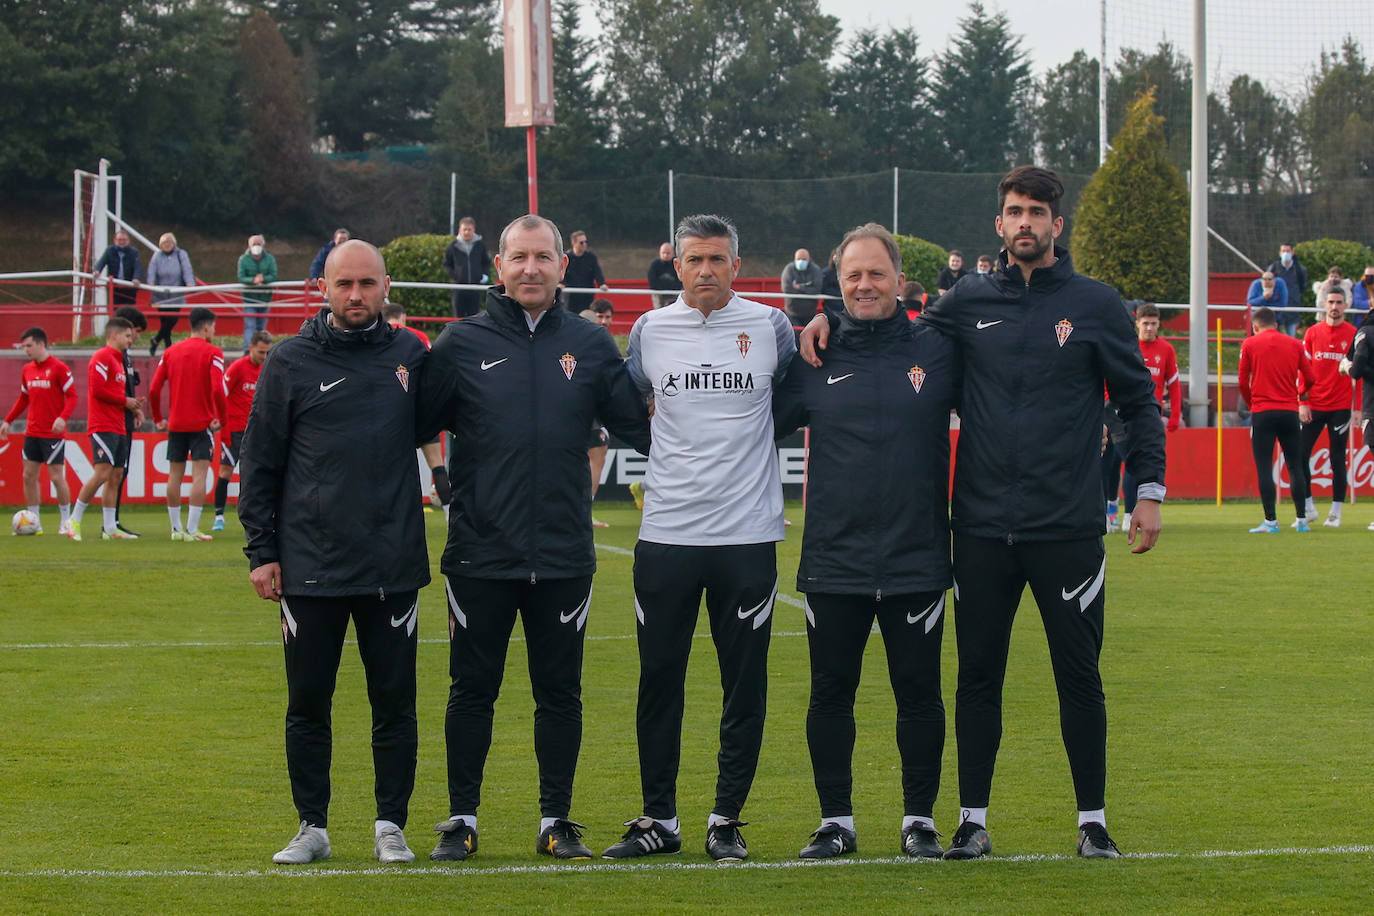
{"x": 987, "y": 324}
{"x": 931, "y": 614}
{"x": 408, "y": 619}
{"x": 486, "y": 365}
{"x": 1070, "y": 595}
{"x": 832, "y": 379}
{"x": 324, "y": 387}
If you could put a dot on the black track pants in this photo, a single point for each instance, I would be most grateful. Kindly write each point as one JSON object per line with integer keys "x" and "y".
{"x": 741, "y": 584}
{"x": 1066, "y": 578}
{"x": 1337, "y": 426}
{"x": 313, "y": 632}
{"x": 1282, "y": 426}
{"x": 481, "y": 618}
{"x": 837, "y": 629}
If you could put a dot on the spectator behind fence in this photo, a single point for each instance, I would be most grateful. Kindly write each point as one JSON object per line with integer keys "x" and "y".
{"x": 985, "y": 262}
{"x": 913, "y": 298}
{"x": 603, "y": 312}
{"x": 1335, "y": 279}
{"x": 663, "y": 275}
{"x": 466, "y": 261}
{"x": 122, "y": 261}
{"x": 830, "y": 277}
{"x": 1294, "y": 276}
{"x": 1361, "y": 294}
{"x": 802, "y": 275}
{"x": 950, "y": 274}
{"x": 169, "y": 266}
{"x": 584, "y": 271}
{"x": 257, "y": 268}
{"x": 317, "y": 265}
{"x": 1268, "y": 291}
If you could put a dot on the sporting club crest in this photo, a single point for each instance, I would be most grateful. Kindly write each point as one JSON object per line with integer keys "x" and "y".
{"x": 569, "y": 363}
{"x": 742, "y": 342}
{"x": 917, "y": 376}
{"x": 403, "y": 376}
{"x": 1062, "y": 330}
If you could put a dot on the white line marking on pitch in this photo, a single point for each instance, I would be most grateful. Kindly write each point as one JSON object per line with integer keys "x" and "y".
{"x": 467, "y": 872}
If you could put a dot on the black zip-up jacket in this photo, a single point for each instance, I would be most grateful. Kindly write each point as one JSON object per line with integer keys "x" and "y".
{"x": 1035, "y": 358}
{"x": 329, "y": 483}
{"x": 877, "y": 517}
{"x": 1361, "y": 356}
{"x": 519, "y": 404}
{"x": 467, "y": 266}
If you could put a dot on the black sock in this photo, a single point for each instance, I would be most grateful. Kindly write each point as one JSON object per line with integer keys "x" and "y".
{"x": 221, "y": 495}
{"x": 442, "y": 485}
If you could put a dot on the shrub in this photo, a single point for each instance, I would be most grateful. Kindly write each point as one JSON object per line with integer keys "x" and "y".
{"x": 921, "y": 261}
{"x": 1131, "y": 227}
{"x": 419, "y": 258}
{"x": 1319, "y": 254}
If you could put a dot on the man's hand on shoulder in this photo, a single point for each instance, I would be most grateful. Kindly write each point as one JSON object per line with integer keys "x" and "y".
{"x": 267, "y": 580}
{"x": 814, "y": 337}
{"x": 1145, "y": 526}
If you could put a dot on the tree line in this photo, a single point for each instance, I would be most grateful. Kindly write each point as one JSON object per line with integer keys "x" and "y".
{"x": 216, "y": 111}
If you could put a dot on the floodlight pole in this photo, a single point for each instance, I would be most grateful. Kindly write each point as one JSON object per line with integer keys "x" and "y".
{"x": 1197, "y": 269}
{"x": 1102, "y": 85}
{"x": 452, "y": 199}
{"x": 894, "y": 200}
{"x": 672, "y": 217}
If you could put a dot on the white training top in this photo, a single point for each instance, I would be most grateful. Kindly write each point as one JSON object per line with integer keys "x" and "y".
{"x": 713, "y": 468}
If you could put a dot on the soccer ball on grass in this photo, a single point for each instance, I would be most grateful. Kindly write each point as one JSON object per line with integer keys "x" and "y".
{"x": 24, "y": 522}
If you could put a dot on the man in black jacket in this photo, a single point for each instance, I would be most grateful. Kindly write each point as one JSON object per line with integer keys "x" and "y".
{"x": 466, "y": 261}
{"x": 519, "y": 386}
{"x": 583, "y": 271}
{"x": 330, "y": 509}
{"x": 877, "y": 533}
{"x": 1038, "y": 342}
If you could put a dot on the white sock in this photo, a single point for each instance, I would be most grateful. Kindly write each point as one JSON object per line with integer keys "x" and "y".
{"x": 64, "y": 512}
{"x": 107, "y": 515}
{"x": 1311, "y": 506}
{"x": 34, "y": 510}
{"x": 174, "y": 513}
{"x": 846, "y": 822}
{"x": 469, "y": 819}
{"x": 321, "y": 831}
{"x": 546, "y": 822}
{"x": 978, "y": 816}
{"x": 909, "y": 819}
{"x": 1088, "y": 817}
{"x": 381, "y": 826}
{"x": 672, "y": 824}
{"x": 1335, "y": 509}
{"x": 193, "y": 517}
{"x": 78, "y": 510}
{"x": 715, "y": 819}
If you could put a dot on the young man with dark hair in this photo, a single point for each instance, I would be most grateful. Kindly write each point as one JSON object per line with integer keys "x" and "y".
{"x": 712, "y": 517}
{"x": 193, "y": 370}
{"x": 48, "y": 392}
{"x": 1271, "y": 364}
{"x": 1038, "y": 342}
{"x": 132, "y": 419}
{"x": 950, "y": 274}
{"x": 1327, "y": 404}
{"x": 109, "y": 406}
{"x": 876, "y": 546}
{"x": 240, "y": 384}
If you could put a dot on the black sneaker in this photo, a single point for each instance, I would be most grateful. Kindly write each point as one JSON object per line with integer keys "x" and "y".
{"x": 724, "y": 842}
{"x": 1093, "y": 842}
{"x": 645, "y": 837}
{"x": 563, "y": 840}
{"x": 970, "y": 842}
{"x": 457, "y": 841}
{"x": 921, "y": 842}
{"x": 830, "y": 841}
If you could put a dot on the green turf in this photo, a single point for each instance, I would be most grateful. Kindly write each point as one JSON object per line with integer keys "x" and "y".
{"x": 142, "y": 767}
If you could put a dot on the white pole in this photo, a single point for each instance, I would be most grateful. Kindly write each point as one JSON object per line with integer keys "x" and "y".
{"x": 452, "y": 199}
{"x": 1197, "y": 269}
{"x": 76, "y": 253}
{"x": 1102, "y": 86}
{"x": 672, "y": 218}
{"x": 100, "y": 238}
{"x": 894, "y": 200}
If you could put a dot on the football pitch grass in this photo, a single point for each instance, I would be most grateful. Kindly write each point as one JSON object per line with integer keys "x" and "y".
{"x": 143, "y": 765}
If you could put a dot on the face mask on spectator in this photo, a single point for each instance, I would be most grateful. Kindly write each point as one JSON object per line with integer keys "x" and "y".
{"x": 801, "y": 263}
{"x": 1286, "y": 257}
{"x": 256, "y": 251}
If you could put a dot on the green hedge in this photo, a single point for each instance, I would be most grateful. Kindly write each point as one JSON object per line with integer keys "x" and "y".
{"x": 1319, "y": 254}
{"x": 419, "y": 258}
{"x": 921, "y": 261}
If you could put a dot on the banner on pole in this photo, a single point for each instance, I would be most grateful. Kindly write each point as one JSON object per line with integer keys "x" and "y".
{"x": 528, "y": 29}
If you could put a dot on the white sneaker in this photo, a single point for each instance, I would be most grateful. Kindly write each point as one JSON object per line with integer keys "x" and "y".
{"x": 391, "y": 846}
{"x": 309, "y": 844}
{"x": 1332, "y": 521}
{"x": 1311, "y": 513}
{"x": 65, "y": 529}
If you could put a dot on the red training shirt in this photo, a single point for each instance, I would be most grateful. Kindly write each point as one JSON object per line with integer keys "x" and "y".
{"x": 194, "y": 371}
{"x": 105, "y": 387}
{"x": 1162, "y": 361}
{"x": 1270, "y": 366}
{"x": 48, "y": 390}
{"x": 424, "y": 338}
{"x": 240, "y": 384}
{"x": 1327, "y": 346}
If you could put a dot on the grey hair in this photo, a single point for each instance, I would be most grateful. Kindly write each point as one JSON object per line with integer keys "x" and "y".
{"x": 530, "y": 221}
{"x": 706, "y": 226}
